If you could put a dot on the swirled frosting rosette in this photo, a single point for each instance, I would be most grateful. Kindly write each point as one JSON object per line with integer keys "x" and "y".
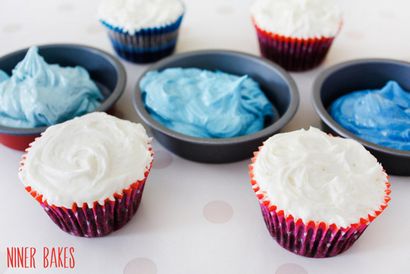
{"x": 89, "y": 173}
{"x": 317, "y": 193}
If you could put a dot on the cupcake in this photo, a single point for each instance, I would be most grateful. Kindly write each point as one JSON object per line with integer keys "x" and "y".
{"x": 296, "y": 34}
{"x": 142, "y": 31}
{"x": 88, "y": 173}
{"x": 317, "y": 193}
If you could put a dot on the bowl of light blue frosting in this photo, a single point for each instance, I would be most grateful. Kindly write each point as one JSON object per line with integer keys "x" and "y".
{"x": 215, "y": 106}
{"x": 46, "y": 85}
{"x": 369, "y": 100}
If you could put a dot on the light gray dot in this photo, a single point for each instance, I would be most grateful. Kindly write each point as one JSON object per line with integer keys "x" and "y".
{"x": 10, "y": 28}
{"x": 65, "y": 7}
{"x": 225, "y": 10}
{"x": 387, "y": 14}
{"x": 218, "y": 212}
{"x": 140, "y": 266}
{"x": 291, "y": 269}
{"x": 162, "y": 159}
{"x": 94, "y": 29}
{"x": 355, "y": 35}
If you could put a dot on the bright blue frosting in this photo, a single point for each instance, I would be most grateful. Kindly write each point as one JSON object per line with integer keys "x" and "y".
{"x": 207, "y": 104}
{"x": 38, "y": 94}
{"x": 378, "y": 116}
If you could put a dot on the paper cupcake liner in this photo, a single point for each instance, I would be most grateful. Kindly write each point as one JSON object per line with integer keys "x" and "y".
{"x": 310, "y": 239}
{"x": 294, "y": 54}
{"x": 146, "y": 45}
{"x": 100, "y": 219}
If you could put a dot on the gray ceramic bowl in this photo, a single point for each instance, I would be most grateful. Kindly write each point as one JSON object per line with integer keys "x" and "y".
{"x": 277, "y": 85}
{"x": 104, "y": 69}
{"x": 359, "y": 75}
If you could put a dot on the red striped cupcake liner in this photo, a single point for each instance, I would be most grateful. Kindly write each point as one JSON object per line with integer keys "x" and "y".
{"x": 294, "y": 54}
{"x": 310, "y": 239}
{"x": 100, "y": 219}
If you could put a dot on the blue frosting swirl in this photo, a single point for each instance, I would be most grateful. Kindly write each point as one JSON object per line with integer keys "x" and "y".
{"x": 38, "y": 94}
{"x": 207, "y": 104}
{"x": 378, "y": 116}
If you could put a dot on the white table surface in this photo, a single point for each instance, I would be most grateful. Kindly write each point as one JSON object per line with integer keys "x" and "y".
{"x": 198, "y": 218}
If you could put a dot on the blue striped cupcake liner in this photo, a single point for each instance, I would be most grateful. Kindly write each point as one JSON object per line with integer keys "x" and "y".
{"x": 146, "y": 45}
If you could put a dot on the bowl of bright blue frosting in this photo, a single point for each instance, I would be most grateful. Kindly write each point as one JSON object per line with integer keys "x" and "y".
{"x": 215, "y": 106}
{"x": 46, "y": 85}
{"x": 369, "y": 100}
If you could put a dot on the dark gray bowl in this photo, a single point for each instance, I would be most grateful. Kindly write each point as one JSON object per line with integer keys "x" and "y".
{"x": 358, "y": 75}
{"x": 104, "y": 69}
{"x": 278, "y": 86}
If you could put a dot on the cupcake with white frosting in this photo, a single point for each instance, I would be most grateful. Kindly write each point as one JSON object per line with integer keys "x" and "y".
{"x": 296, "y": 34}
{"x": 317, "y": 193}
{"x": 142, "y": 31}
{"x": 89, "y": 173}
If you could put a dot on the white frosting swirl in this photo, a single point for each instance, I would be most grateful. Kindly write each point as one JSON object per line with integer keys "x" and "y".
{"x": 86, "y": 159}
{"x": 298, "y": 18}
{"x": 134, "y": 15}
{"x": 314, "y": 176}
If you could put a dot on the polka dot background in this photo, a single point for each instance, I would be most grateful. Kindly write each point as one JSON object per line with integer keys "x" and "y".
{"x": 225, "y": 9}
{"x": 162, "y": 159}
{"x": 218, "y": 212}
{"x": 184, "y": 225}
{"x": 65, "y": 7}
{"x": 94, "y": 29}
{"x": 140, "y": 266}
{"x": 11, "y": 28}
{"x": 290, "y": 269}
{"x": 355, "y": 35}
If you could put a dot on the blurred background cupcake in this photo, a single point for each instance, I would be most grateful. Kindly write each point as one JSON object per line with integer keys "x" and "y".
{"x": 142, "y": 31}
{"x": 296, "y": 34}
{"x": 89, "y": 173}
{"x": 317, "y": 193}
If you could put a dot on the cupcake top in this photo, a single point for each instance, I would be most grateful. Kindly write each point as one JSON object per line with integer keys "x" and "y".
{"x": 39, "y": 94}
{"x": 298, "y": 18}
{"x": 134, "y": 15}
{"x": 86, "y": 159}
{"x": 380, "y": 116}
{"x": 206, "y": 104}
{"x": 316, "y": 177}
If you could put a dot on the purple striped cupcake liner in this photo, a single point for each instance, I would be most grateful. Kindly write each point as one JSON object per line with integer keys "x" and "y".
{"x": 146, "y": 45}
{"x": 99, "y": 219}
{"x": 310, "y": 239}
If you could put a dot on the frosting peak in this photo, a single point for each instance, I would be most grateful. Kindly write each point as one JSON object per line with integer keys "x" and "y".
{"x": 380, "y": 116}
{"x": 38, "y": 94}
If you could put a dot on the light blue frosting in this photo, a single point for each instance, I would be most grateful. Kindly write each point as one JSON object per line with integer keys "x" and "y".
{"x": 38, "y": 94}
{"x": 378, "y": 116}
{"x": 207, "y": 104}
